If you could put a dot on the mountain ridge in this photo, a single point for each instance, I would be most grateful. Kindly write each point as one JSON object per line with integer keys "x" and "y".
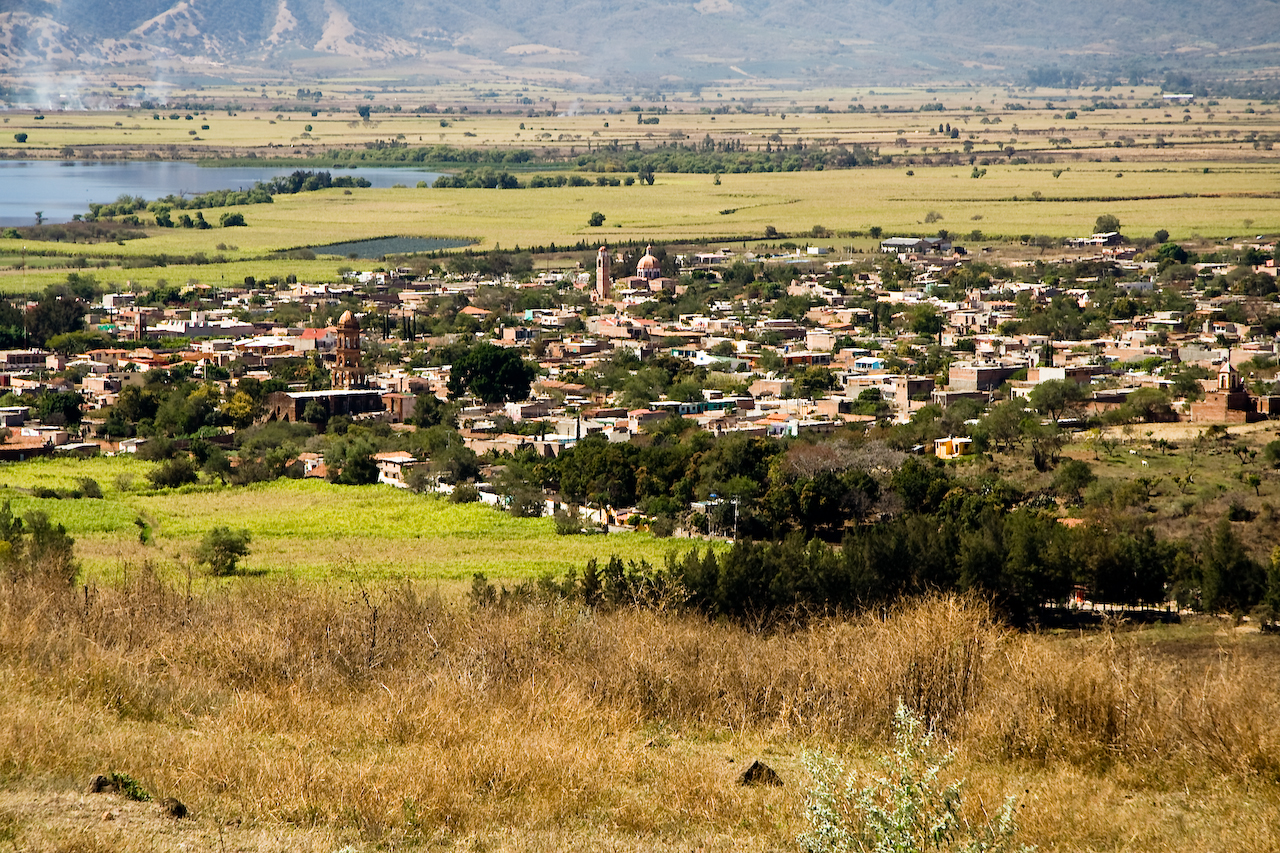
{"x": 867, "y": 40}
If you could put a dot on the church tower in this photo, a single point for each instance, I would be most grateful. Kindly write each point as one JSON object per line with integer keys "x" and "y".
{"x": 347, "y": 370}
{"x": 604, "y": 282}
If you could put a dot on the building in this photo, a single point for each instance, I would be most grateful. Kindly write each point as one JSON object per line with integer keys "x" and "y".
{"x": 348, "y": 372}
{"x": 1229, "y": 402}
{"x": 393, "y": 467}
{"x": 649, "y": 275}
{"x": 604, "y": 283}
{"x": 952, "y": 447}
{"x": 292, "y": 405}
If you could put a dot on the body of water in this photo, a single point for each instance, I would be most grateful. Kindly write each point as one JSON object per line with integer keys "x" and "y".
{"x": 62, "y": 188}
{"x": 377, "y": 248}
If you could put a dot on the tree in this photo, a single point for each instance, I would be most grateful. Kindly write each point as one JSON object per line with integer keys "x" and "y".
{"x": 1150, "y": 404}
{"x": 363, "y": 111}
{"x": 1072, "y": 478}
{"x": 1106, "y": 223}
{"x": 49, "y": 551}
{"x": 349, "y": 462}
{"x": 58, "y": 311}
{"x": 1054, "y": 397}
{"x": 494, "y": 374}
{"x": 1229, "y": 579}
{"x": 1162, "y": 236}
{"x": 596, "y": 219}
{"x": 19, "y": 137}
{"x": 231, "y": 220}
{"x": 221, "y": 550}
{"x": 173, "y": 473}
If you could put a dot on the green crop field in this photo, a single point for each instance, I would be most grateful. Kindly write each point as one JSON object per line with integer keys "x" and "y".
{"x": 307, "y": 527}
{"x": 1187, "y": 199}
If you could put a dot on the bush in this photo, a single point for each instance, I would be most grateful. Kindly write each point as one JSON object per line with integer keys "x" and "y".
{"x": 571, "y": 523}
{"x": 906, "y": 810}
{"x": 221, "y": 550}
{"x": 50, "y": 551}
{"x": 156, "y": 449}
{"x": 526, "y": 503}
{"x": 174, "y": 473}
{"x": 464, "y": 493}
{"x": 89, "y": 488}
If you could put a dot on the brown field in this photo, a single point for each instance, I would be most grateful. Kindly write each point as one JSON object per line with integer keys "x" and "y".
{"x": 292, "y": 717}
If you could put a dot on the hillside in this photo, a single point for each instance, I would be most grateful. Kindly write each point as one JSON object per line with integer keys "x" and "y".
{"x": 813, "y": 41}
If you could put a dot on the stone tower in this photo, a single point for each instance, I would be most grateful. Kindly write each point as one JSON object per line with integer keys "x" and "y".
{"x": 604, "y": 282}
{"x": 347, "y": 370}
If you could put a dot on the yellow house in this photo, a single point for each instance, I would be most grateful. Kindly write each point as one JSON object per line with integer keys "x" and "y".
{"x": 952, "y": 447}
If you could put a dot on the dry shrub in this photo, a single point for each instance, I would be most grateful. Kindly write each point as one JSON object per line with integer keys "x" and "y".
{"x": 400, "y": 715}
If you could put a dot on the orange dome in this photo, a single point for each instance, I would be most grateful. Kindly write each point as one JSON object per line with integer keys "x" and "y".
{"x": 648, "y": 262}
{"x": 348, "y": 320}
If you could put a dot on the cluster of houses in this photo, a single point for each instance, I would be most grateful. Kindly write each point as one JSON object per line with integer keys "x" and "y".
{"x": 735, "y": 339}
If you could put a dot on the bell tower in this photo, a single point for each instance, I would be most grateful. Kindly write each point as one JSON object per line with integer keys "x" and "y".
{"x": 348, "y": 372}
{"x": 604, "y": 281}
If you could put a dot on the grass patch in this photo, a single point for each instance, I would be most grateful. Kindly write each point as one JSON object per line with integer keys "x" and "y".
{"x": 309, "y": 528}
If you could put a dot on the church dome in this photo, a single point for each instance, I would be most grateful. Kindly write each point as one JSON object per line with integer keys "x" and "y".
{"x": 347, "y": 319}
{"x": 648, "y": 262}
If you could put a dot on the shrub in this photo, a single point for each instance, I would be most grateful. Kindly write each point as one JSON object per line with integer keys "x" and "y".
{"x": 174, "y": 473}
{"x": 50, "y": 551}
{"x": 221, "y": 550}
{"x": 526, "y": 503}
{"x": 571, "y": 523}
{"x": 464, "y": 493}
{"x": 906, "y": 810}
{"x": 156, "y": 449}
{"x": 129, "y": 787}
{"x": 89, "y": 487}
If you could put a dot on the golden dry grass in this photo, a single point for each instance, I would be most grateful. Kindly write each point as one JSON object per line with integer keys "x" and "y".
{"x": 380, "y": 716}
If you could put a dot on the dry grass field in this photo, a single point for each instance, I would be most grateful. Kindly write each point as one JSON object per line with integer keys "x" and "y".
{"x": 379, "y": 717}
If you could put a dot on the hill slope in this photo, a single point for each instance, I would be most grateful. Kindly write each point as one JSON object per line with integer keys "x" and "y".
{"x": 875, "y": 40}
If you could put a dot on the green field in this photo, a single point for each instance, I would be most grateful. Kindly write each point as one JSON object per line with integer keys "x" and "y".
{"x": 1187, "y": 199}
{"x": 307, "y": 527}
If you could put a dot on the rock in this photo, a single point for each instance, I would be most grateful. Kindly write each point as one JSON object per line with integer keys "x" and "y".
{"x": 100, "y": 784}
{"x": 173, "y": 808}
{"x": 760, "y": 773}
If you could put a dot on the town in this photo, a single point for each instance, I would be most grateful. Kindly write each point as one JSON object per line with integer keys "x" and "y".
{"x": 921, "y": 345}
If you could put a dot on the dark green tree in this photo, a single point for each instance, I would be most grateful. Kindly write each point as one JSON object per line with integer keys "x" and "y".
{"x": 492, "y": 373}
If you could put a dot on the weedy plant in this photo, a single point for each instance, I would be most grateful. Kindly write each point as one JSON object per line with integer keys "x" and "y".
{"x": 907, "y": 810}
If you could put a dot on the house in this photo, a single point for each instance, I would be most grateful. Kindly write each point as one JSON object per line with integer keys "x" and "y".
{"x": 393, "y": 467}
{"x": 915, "y": 245}
{"x": 952, "y": 447}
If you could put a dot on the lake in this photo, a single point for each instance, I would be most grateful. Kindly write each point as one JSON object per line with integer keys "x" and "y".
{"x": 63, "y": 188}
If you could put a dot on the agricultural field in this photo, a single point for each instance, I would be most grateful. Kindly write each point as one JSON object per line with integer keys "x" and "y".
{"x": 1189, "y": 200}
{"x": 989, "y": 165}
{"x": 306, "y": 528}
{"x": 991, "y": 118}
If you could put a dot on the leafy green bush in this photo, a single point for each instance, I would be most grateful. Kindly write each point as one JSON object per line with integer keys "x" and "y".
{"x": 222, "y": 548}
{"x": 129, "y": 787}
{"x": 906, "y": 810}
{"x": 174, "y": 473}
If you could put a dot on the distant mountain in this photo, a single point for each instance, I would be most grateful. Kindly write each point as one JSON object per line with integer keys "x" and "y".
{"x": 647, "y": 41}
